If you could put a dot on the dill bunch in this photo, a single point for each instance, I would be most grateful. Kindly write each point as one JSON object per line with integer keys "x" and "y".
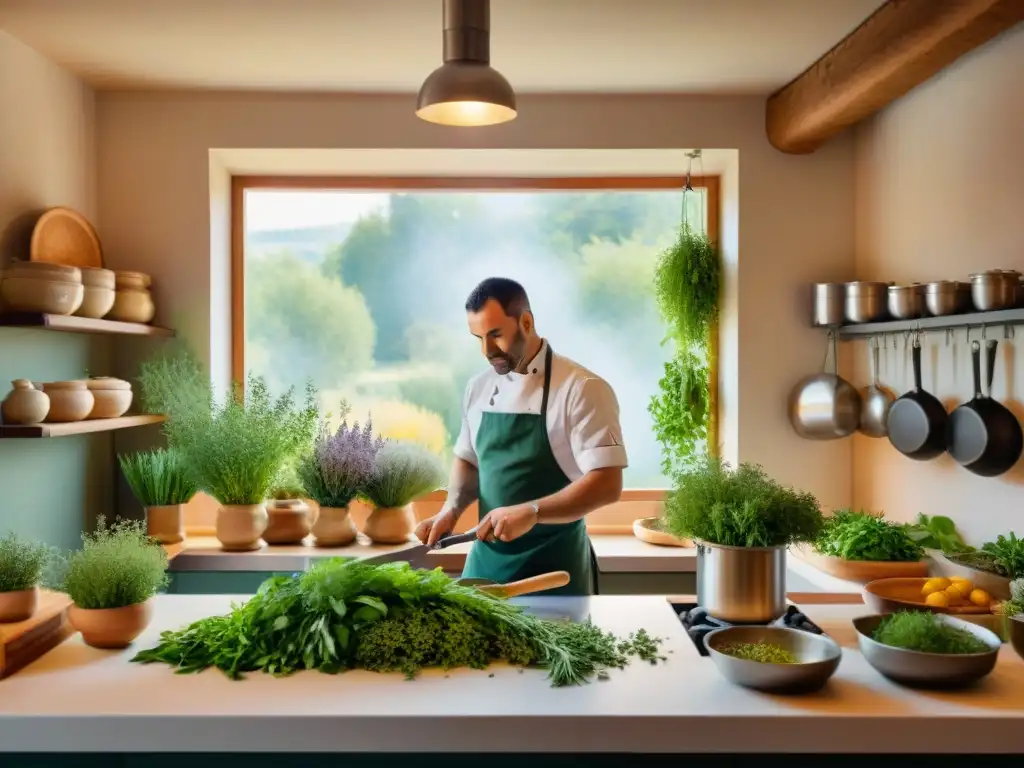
{"x": 22, "y": 563}
{"x": 344, "y": 614}
{"x": 686, "y": 286}
{"x": 158, "y": 478}
{"x": 925, "y": 632}
{"x": 117, "y": 566}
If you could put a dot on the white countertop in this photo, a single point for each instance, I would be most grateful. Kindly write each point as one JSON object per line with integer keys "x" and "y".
{"x": 81, "y": 699}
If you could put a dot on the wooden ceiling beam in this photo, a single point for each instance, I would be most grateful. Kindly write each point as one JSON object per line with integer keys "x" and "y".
{"x": 900, "y": 46}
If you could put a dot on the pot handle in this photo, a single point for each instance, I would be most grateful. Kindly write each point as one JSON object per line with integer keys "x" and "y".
{"x": 990, "y": 350}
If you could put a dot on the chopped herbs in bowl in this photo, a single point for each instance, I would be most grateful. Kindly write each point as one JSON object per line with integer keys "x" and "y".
{"x": 924, "y": 632}
{"x": 767, "y": 653}
{"x": 773, "y": 659}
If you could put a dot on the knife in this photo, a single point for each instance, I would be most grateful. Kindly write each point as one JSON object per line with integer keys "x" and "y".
{"x": 415, "y": 553}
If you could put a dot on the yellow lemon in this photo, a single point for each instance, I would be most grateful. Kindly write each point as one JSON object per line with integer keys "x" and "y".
{"x": 935, "y": 585}
{"x": 954, "y": 595}
{"x": 966, "y": 585}
{"x": 937, "y": 600}
{"x": 981, "y": 597}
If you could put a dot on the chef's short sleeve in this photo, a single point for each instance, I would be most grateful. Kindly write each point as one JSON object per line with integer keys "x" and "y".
{"x": 464, "y": 444}
{"x": 595, "y": 434}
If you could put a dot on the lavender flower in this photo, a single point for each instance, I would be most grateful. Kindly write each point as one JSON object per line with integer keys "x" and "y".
{"x": 340, "y": 464}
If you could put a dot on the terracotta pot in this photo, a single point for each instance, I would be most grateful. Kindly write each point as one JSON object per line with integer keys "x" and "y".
{"x": 132, "y": 303}
{"x": 69, "y": 401}
{"x": 390, "y": 525}
{"x": 37, "y": 287}
{"x": 111, "y": 627}
{"x": 25, "y": 404}
{"x": 111, "y": 397}
{"x": 19, "y": 605}
{"x": 333, "y": 527}
{"x": 240, "y": 526}
{"x": 98, "y": 295}
{"x": 288, "y": 521}
{"x": 166, "y": 523}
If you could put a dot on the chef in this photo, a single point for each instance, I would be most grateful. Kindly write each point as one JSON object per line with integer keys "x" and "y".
{"x": 540, "y": 448}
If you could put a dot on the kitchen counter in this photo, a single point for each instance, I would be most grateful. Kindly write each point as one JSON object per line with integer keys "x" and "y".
{"x": 79, "y": 699}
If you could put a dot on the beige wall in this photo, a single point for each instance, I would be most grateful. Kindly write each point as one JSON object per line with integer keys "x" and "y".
{"x": 940, "y": 194}
{"x": 50, "y": 488}
{"x": 796, "y": 214}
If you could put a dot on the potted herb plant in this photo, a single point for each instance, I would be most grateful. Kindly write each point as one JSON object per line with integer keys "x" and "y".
{"x": 862, "y": 547}
{"x": 287, "y": 512}
{"x": 162, "y": 485}
{"x": 110, "y": 580}
{"x": 742, "y": 522}
{"x": 402, "y": 472}
{"x": 333, "y": 474}
{"x": 22, "y": 565}
{"x": 232, "y": 447}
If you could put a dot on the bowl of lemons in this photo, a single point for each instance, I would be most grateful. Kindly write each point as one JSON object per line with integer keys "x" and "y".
{"x": 938, "y": 594}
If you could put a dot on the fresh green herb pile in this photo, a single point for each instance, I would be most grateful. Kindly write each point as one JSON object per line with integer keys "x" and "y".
{"x": 863, "y": 536}
{"x": 767, "y": 653}
{"x": 680, "y": 410}
{"x": 402, "y": 471}
{"x": 1003, "y": 557}
{"x": 1015, "y": 605}
{"x": 937, "y": 532}
{"x": 157, "y": 478}
{"x": 22, "y": 563}
{"x": 924, "y": 631}
{"x": 117, "y": 566}
{"x": 343, "y": 614}
{"x": 712, "y": 502}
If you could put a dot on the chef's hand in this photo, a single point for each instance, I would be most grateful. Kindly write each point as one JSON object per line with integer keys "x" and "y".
{"x": 507, "y": 523}
{"x": 432, "y": 529}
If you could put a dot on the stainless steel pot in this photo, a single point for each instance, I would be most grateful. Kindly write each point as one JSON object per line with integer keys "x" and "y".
{"x": 741, "y": 585}
{"x": 944, "y": 297}
{"x": 825, "y": 406}
{"x": 906, "y": 301}
{"x": 994, "y": 289}
{"x": 865, "y": 302}
{"x": 827, "y": 300}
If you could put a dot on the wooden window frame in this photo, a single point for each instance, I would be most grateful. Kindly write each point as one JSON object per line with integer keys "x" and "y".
{"x": 635, "y": 503}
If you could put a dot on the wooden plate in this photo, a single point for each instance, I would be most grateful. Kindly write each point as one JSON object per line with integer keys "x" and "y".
{"x": 862, "y": 571}
{"x": 646, "y": 529}
{"x": 889, "y": 595}
{"x": 64, "y": 236}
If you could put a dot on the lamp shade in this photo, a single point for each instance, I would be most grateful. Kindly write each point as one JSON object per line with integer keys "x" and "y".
{"x": 466, "y": 93}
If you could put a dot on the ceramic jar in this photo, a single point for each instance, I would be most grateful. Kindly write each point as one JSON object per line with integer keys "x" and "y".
{"x": 111, "y": 627}
{"x": 69, "y": 401}
{"x": 288, "y": 521}
{"x": 333, "y": 527}
{"x": 25, "y": 404}
{"x": 98, "y": 292}
{"x": 19, "y": 605}
{"x": 31, "y": 286}
{"x": 166, "y": 524}
{"x": 111, "y": 397}
{"x": 390, "y": 525}
{"x": 240, "y": 526}
{"x": 133, "y": 302}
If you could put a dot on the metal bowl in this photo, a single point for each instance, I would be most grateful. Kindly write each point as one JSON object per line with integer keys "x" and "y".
{"x": 1017, "y": 633}
{"x": 817, "y": 656}
{"x": 928, "y": 670}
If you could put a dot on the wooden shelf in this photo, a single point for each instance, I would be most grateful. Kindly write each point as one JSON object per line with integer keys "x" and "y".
{"x": 79, "y": 427}
{"x": 72, "y": 324}
{"x": 947, "y": 322}
{"x": 26, "y": 641}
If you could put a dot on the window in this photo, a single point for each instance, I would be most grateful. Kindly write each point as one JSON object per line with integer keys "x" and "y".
{"x": 359, "y": 286}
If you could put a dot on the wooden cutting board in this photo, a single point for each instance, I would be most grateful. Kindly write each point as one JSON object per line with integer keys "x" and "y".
{"x": 64, "y": 236}
{"x": 24, "y": 642}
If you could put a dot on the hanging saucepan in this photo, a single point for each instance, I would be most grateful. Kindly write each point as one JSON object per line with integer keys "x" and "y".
{"x": 983, "y": 435}
{"x": 825, "y": 406}
{"x": 875, "y": 401}
{"x": 917, "y": 420}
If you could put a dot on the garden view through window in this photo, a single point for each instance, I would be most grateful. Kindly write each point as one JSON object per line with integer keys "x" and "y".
{"x": 362, "y": 292}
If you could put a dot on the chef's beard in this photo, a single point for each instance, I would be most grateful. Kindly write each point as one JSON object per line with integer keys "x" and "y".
{"x": 506, "y": 362}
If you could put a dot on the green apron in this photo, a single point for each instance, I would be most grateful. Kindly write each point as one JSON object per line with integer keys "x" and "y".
{"x": 517, "y": 466}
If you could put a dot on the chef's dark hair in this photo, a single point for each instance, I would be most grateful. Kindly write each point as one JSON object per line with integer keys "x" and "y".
{"x": 508, "y": 293}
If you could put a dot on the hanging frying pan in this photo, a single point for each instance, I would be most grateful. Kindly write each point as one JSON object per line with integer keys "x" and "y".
{"x": 983, "y": 435}
{"x": 917, "y": 420}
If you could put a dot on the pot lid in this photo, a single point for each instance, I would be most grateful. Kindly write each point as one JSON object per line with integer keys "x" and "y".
{"x": 107, "y": 382}
{"x": 61, "y": 385}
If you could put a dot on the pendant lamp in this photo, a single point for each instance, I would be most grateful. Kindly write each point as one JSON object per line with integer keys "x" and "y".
{"x": 466, "y": 90}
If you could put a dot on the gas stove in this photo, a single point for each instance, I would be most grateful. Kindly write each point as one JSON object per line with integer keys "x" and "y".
{"x": 698, "y": 622}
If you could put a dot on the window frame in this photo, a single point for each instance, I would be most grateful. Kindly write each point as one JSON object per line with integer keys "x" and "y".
{"x": 635, "y": 502}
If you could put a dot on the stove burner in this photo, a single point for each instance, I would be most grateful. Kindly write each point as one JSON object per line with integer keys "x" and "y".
{"x": 698, "y": 622}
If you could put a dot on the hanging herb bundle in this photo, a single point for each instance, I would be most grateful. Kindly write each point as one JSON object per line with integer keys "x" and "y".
{"x": 344, "y": 614}
{"x": 686, "y": 286}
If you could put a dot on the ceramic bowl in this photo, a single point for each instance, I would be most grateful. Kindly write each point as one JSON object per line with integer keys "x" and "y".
{"x": 52, "y": 289}
{"x": 98, "y": 297}
{"x": 69, "y": 401}
{"x": 111, "y": 397}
